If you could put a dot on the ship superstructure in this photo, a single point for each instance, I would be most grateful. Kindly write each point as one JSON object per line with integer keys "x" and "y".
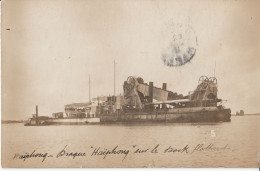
{"x": 142, "y": 102}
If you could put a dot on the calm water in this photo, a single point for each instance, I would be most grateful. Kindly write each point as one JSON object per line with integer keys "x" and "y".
{"x": 241, "y": 136}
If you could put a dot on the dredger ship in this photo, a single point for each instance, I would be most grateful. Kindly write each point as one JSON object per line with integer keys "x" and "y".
{"x": 143, "y": 102}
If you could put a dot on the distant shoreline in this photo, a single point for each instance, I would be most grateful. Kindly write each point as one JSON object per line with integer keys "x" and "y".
{"x": 245, "y": 114}
{"x": 11, "y": 121}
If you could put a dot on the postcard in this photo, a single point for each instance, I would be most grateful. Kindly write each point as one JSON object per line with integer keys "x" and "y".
{"x": 130, "y": 84}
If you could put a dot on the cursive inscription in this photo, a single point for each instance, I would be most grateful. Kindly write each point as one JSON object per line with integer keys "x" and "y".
{"x": 123, "y": 152}
{"x": 63, "y": 152}
{"x": 210, "y": 147}
{"x": 178, "y": 150}
{"x": 33, "y": 154}
{"x": 105, "y": 152}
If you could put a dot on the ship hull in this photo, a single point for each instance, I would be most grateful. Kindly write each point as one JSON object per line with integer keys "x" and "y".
{"x": 178, "y": 116}
{"x": 65, "y": 121}
{"x": 72, "y": 121}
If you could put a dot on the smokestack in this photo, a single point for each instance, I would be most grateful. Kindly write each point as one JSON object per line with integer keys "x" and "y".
{"x": 164, "y": 86}
{"x": 98, "y": 107}
{"x": 36, "y": 118}
{"x": 151, "y": 92}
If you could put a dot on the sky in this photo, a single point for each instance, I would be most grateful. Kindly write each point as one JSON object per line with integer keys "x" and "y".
{"x": 51, "y": 47}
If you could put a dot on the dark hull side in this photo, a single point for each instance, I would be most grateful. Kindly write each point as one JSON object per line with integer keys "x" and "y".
{"x": 189, "y": 117}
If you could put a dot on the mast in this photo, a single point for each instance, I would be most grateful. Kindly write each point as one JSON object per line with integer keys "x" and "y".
{"x": 36, "y": 116}
{"x": 89, "y": 89}
{"x": 214, "y": 68}
{"x": 114, "y": 79}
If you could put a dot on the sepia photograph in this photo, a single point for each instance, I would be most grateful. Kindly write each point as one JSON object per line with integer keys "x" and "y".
{"x": 130, "y": 84}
